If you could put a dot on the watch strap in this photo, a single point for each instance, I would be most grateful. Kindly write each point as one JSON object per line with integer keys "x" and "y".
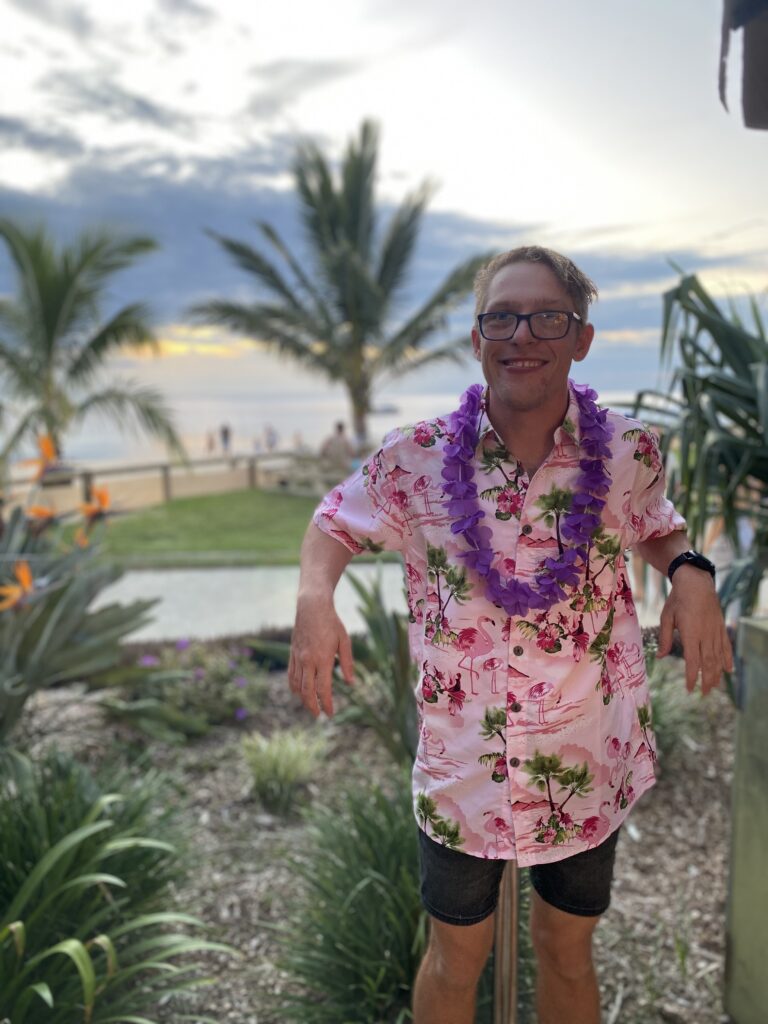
{"x": 694, "y": 558}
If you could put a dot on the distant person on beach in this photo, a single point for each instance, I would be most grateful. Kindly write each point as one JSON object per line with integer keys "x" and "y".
{"x": 271, "y": 437}
{"x": 225, "y": 434}
{"x": 512, "y": 514}
{"x": 337, "y": 451}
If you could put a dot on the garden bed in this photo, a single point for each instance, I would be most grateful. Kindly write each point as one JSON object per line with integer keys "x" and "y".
{"x": 659, "y": 950}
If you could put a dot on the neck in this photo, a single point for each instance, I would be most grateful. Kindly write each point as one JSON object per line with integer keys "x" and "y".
{"x": 528, "y": 434}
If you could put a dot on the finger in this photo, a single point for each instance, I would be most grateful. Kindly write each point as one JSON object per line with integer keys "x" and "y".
{"x": 727, "y": 650}
{"x": 711, "y": 670}
{"x": 294, "y": 679}
{"x": 323, "y": 687}
{"x": 309, "y": 691}
{"x": 346, "y": 660}
{"x": 666, "y": 628}
{"x": 692, "y": 655}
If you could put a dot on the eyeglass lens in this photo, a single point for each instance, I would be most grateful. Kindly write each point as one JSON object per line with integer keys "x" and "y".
{"x": 547, "y": 325}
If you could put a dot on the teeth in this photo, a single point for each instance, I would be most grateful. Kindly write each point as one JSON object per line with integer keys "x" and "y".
{"x": 523, "y": 362}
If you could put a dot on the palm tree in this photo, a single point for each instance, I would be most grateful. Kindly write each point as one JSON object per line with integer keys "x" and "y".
{"x": 714, "y": 417}
{"x": 577, "y": 780}
{"x": 54, "y": 341}
{"x": 555, "y": 504}
{"x": 336, "y": 314}
{"x": 542, "y": 768}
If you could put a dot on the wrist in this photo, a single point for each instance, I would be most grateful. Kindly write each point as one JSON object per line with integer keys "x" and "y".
{"x": 690, "y": 561}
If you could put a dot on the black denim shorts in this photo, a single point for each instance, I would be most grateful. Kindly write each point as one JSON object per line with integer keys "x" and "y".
{"x": 460, "y": 889}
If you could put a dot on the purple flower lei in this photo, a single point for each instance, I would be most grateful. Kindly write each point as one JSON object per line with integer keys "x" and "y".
{"x": 578, "y": 526}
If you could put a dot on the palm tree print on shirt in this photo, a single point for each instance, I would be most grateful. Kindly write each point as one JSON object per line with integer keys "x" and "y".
{"x": 598, "y": 651}
{"x": 573, "y": 780}
{"x": 446, "y": 831}
{"x": 493, "y": 728}
{"x": 554, "y": 505}
{"x": 509, "y": 496}
{"x": 447, "y": 583}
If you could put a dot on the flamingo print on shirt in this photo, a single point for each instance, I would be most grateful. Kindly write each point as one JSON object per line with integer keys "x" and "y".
{"x": 518, "y": 710}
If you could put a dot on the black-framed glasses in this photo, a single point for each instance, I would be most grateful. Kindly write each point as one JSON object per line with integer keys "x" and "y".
{"x": 548, "y": 325}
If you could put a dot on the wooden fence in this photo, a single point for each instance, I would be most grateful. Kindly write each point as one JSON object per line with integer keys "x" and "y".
{"x": 146, "y": 484}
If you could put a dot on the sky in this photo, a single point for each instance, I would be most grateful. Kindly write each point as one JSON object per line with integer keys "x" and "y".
{"x": 594, "y": 128}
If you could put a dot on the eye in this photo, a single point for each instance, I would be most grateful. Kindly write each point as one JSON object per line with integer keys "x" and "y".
{"x": 499, "y": 318}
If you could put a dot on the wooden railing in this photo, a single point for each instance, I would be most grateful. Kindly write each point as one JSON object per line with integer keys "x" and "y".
{"x": 150, "y": 483}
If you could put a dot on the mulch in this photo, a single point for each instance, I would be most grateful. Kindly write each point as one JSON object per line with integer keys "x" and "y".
{"x": 659, "y": 950}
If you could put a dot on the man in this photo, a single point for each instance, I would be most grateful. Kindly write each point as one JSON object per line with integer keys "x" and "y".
{"x": 512, "y": 515}
{"x": 336, "y": 451}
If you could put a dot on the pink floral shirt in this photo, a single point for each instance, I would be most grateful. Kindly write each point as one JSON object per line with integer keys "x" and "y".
{"x": 535, "y": 731}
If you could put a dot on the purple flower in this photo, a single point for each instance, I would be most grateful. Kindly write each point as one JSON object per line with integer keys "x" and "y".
{"x": 148, "y": 661}
{"x": 199, "y": 674}
{"x": 241, "y": 714}
{"x": 240, "y": 681}
{"x": 183, "y": 643}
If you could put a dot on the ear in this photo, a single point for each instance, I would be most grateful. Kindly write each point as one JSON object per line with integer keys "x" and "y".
{"x": 583, "y": 342}
{"x": 476, "y": 343}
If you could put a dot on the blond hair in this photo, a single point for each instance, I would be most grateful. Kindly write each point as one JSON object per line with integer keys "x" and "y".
{"x": 581, "y": 288}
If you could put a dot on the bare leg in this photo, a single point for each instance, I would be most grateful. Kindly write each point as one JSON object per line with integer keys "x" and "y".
{"x": 445, "y": 988}
{"x": 566, "y": 986}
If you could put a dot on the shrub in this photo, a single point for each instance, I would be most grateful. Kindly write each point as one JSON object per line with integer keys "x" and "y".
{"x": 357, "y": 930}
{"x": 48, "y": 635}
{"x": 84, "y": 935}
{"x": 180, "y": 690}
{"x": 281, "y": 765}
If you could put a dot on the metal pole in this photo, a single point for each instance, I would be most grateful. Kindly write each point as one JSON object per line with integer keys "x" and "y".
{"x": 506, "y": 948}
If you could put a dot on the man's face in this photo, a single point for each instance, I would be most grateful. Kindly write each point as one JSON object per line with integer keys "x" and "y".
{"x": 526, "y": 374}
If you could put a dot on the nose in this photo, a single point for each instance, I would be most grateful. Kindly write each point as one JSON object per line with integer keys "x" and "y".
{"x": 522, "y": 335}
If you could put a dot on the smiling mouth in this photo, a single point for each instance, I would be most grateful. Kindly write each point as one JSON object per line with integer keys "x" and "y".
{"x": 523, "y": 364}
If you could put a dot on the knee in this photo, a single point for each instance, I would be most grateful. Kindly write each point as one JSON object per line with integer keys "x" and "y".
{"x": 568, "y": 956}
{"x": 454, "y": 966}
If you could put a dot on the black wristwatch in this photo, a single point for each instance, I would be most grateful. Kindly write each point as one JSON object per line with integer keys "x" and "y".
{"x": 691, "y": 558}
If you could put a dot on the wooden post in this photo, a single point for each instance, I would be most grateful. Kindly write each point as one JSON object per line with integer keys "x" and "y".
{"x": 87, "y": 479}
{"x": 251, "y": 472}
{"x": 166, "y": 471}
{"x": 506, "y": 947}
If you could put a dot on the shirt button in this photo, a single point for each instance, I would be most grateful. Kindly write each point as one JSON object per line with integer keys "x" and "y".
{"x": 517, "y": 650}
{"x": 517, "y": 706}
{"x": 527, "y": 529}
{"x": 514, "y": 762}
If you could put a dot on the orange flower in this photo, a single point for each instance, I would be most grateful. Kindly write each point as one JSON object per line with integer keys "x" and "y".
{"x": 14, "y": 593}
{"x": 81, "y": 538}
{"x": 98, "y": 506}
{"x": 48, "y": 457}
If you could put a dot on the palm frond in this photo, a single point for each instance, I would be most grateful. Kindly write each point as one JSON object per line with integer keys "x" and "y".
{"x": 128, "y": 328}
{"x": 399, "y": 241}
{"x": 129, "y": 402}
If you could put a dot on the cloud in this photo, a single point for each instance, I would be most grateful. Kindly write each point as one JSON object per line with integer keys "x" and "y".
{"x": 84, "y": 92}
{"x": 188, "y": 9}
{"x": 285, "y": 81}
{"x": 68, "y": 16}
{"x": 17, "y": 134}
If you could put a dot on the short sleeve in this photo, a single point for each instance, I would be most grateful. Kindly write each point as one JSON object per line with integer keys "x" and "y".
{"x": 363, "y": 512}
{"x": 648, "y": 511}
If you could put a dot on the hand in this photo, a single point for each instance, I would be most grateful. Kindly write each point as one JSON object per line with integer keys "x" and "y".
{"x": 318, "y": 636}
{"x": 694, "y": 610}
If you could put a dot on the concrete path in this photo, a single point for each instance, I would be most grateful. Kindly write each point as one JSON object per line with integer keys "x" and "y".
{"x": 206, "y": 603}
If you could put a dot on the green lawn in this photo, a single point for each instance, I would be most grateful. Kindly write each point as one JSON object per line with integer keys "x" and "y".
{"x": 239, "y": 528}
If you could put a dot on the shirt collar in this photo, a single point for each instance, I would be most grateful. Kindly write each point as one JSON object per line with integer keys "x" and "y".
{"x": 568, "y": 432}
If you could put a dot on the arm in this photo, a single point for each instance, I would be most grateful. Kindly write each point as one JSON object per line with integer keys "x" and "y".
{"x": 694, "y": 610}
{"x": 318, "y": 632}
